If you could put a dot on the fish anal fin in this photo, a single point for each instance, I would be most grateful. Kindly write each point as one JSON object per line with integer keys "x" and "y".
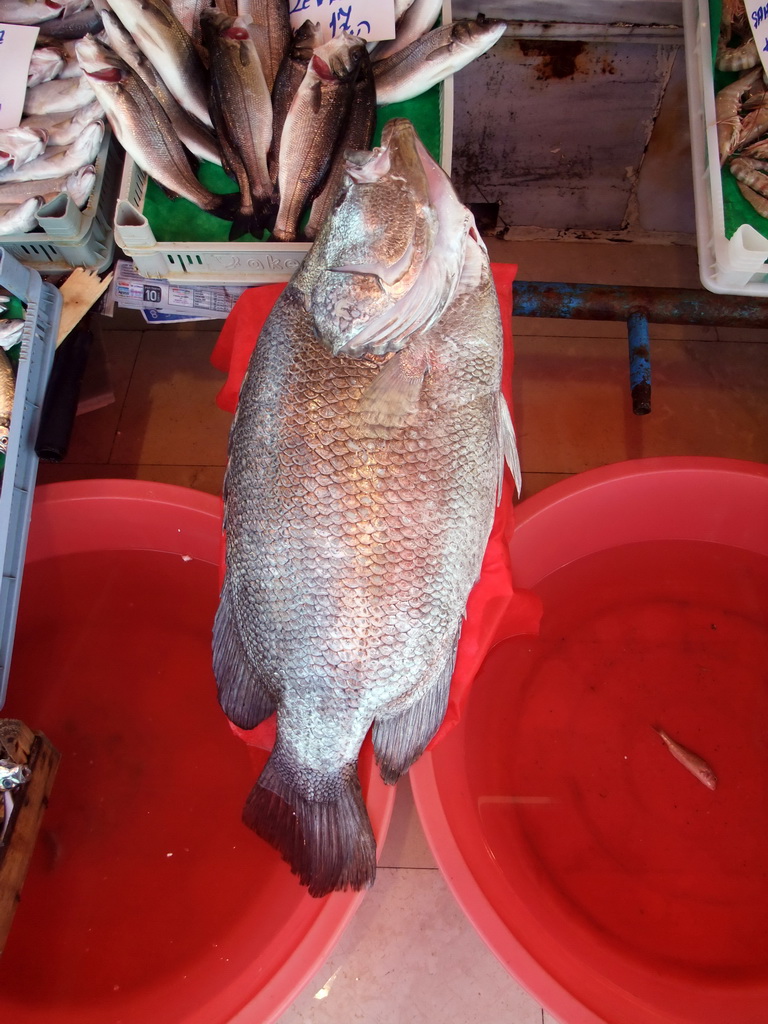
{"x": 327, "y": 842}
{"x": 242, "y": 694}
{"x": 400, "y": 739}
{"x": 394, "y": 392}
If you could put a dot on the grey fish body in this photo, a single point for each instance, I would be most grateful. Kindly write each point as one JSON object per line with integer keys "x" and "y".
{"x": 195, "y": 136}
{"x": 72, "y": 26}
{"x": 271, "y": 31}
{"x": 143, "y": 128}
{"x": 417, "y": 19}
{"x": 289, "y": 77}
{"x": 170, "y": 49}
{"x": 434, "y": 56}
{"x": 350, "y": 555}
{"x": 241, "y": 107}
{"x": 356, "y": 135}
{"x": 315, "y": 119}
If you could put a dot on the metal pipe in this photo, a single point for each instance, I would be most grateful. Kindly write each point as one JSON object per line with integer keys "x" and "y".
{"x": 639, "y": 362}
{"x": 637, "y": 306}
{"x": 616, "y": 302}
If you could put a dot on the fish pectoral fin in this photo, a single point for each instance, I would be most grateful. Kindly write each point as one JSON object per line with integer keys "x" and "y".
{"x": 324, "y": 835}
{"x": 508, "y": 444}
{"x": 442, "y": 52}
{"x": 394, "y": 392}
{"x": 399, "y": 739}
{"x": 242, "y": 694}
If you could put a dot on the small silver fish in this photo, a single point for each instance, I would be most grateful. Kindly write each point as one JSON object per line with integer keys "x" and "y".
{"x": 7, "y": 390}
{"x": 60, "y": 94}
{"x": 19, "y": 218}
{"x": 12, "y": 776}
{"x": 59, "y": 160}
{"x": 696, "y": 765}
{"x": 20, "y": 145}
{"x": 46, "y": 63}
{"x": 28, "y": 12}
{"x": 10, "y": 333}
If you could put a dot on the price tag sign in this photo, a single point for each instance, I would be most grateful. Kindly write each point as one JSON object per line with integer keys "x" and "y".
{"x": 16, "y": 45}
{"x": 758, "y": 22}
{"x": 371, "y": 19}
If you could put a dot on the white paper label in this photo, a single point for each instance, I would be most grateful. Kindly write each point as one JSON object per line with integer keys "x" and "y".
{"x": 758, "y": 22}
{"x": 16, "y": 45}
{"x": 371, "y": 19}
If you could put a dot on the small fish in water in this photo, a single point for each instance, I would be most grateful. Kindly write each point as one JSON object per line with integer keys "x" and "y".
{"x": 12, "y": 776}
{"x": 7, "y": 390}
{"x": 696, "y": 765}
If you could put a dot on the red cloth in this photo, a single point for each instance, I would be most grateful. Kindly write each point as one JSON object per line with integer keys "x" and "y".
{"x": 495, "y": 609}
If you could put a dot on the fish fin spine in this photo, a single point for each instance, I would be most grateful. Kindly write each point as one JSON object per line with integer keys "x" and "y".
{"x": 329, "y": 842}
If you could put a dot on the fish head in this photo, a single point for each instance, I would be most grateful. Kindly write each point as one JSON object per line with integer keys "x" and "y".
{"x": 339, "y": 59}
{"x": 12, "y": 774}
{"x": 373, "y": 244}
{"x": 306, "y": 38}
{"x": 478, "y": 33}
{"x": 98, "y": 61}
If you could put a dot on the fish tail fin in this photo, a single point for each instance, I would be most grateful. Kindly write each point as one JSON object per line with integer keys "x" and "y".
{"x": 227, "y": 206}
{"x": 242, "y": 224}
{"x": 242, "y": 695}
{"x": 326, "y": 838}
{"x": 399, "y": 739}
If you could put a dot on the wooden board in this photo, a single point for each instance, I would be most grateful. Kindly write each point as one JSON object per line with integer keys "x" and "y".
{"x": 23, "y": 746}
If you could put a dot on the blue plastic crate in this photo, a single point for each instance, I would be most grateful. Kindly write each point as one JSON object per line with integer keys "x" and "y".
{"x": 38, "y": 344}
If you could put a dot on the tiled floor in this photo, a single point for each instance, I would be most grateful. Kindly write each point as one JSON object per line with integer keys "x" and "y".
{"x": 410, "y": 955}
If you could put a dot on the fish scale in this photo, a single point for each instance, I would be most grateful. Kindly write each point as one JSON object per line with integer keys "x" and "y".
{"x": 350, "y": 557}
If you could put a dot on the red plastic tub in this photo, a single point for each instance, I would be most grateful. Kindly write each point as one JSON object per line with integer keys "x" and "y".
{"x": 606, "y": 877}
{"x": 147, "y": 899}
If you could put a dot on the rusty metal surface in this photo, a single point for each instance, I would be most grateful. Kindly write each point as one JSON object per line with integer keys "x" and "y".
{"x": 556, "y": 131}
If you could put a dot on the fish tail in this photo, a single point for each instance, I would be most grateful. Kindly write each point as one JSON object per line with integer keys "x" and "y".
{"x": 326, "y": 835}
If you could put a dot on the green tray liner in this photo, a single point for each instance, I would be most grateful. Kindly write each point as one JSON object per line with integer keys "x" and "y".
{"x": 179, "y": 220}
{"x": 736, "y": 209}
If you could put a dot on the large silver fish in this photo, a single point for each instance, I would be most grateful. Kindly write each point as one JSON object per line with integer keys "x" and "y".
{"x": 359, "y": 497}
{"x": 242, "y": 113}
{"x": 417, "y": 19}
{"x": 196, "y": 137}
{"x": 315, "y": 120}
{"x": 143, "y": 128}
{"x": 290, "y": 75}
{"x": 433, "y": 57}
{"x": 170, "y": 49}
{"x": 356, "y": 135}
{"x": 271, "y": 30}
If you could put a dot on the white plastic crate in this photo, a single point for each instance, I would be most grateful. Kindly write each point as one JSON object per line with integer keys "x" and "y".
{"x": 72, "y": 237}
{"x": 228, "y": 262}
{"x": 38, "y": 344}
{"x": 730, "y": 266}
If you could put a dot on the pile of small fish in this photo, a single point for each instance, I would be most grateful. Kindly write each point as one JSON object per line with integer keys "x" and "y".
{"x": 742, "y": 107}
{"x": 54, "y": 148}
{"x": 232, "y": 84}
{"x": 365, "y": 460}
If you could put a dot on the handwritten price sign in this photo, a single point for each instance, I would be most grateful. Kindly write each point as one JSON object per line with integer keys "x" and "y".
{"x": 371, "y": 19}
{"x": 16, "y": 45}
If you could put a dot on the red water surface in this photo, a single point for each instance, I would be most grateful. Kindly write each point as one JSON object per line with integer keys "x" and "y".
{"x": 147, "y": 898}
{"x": 636, "y": 888}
